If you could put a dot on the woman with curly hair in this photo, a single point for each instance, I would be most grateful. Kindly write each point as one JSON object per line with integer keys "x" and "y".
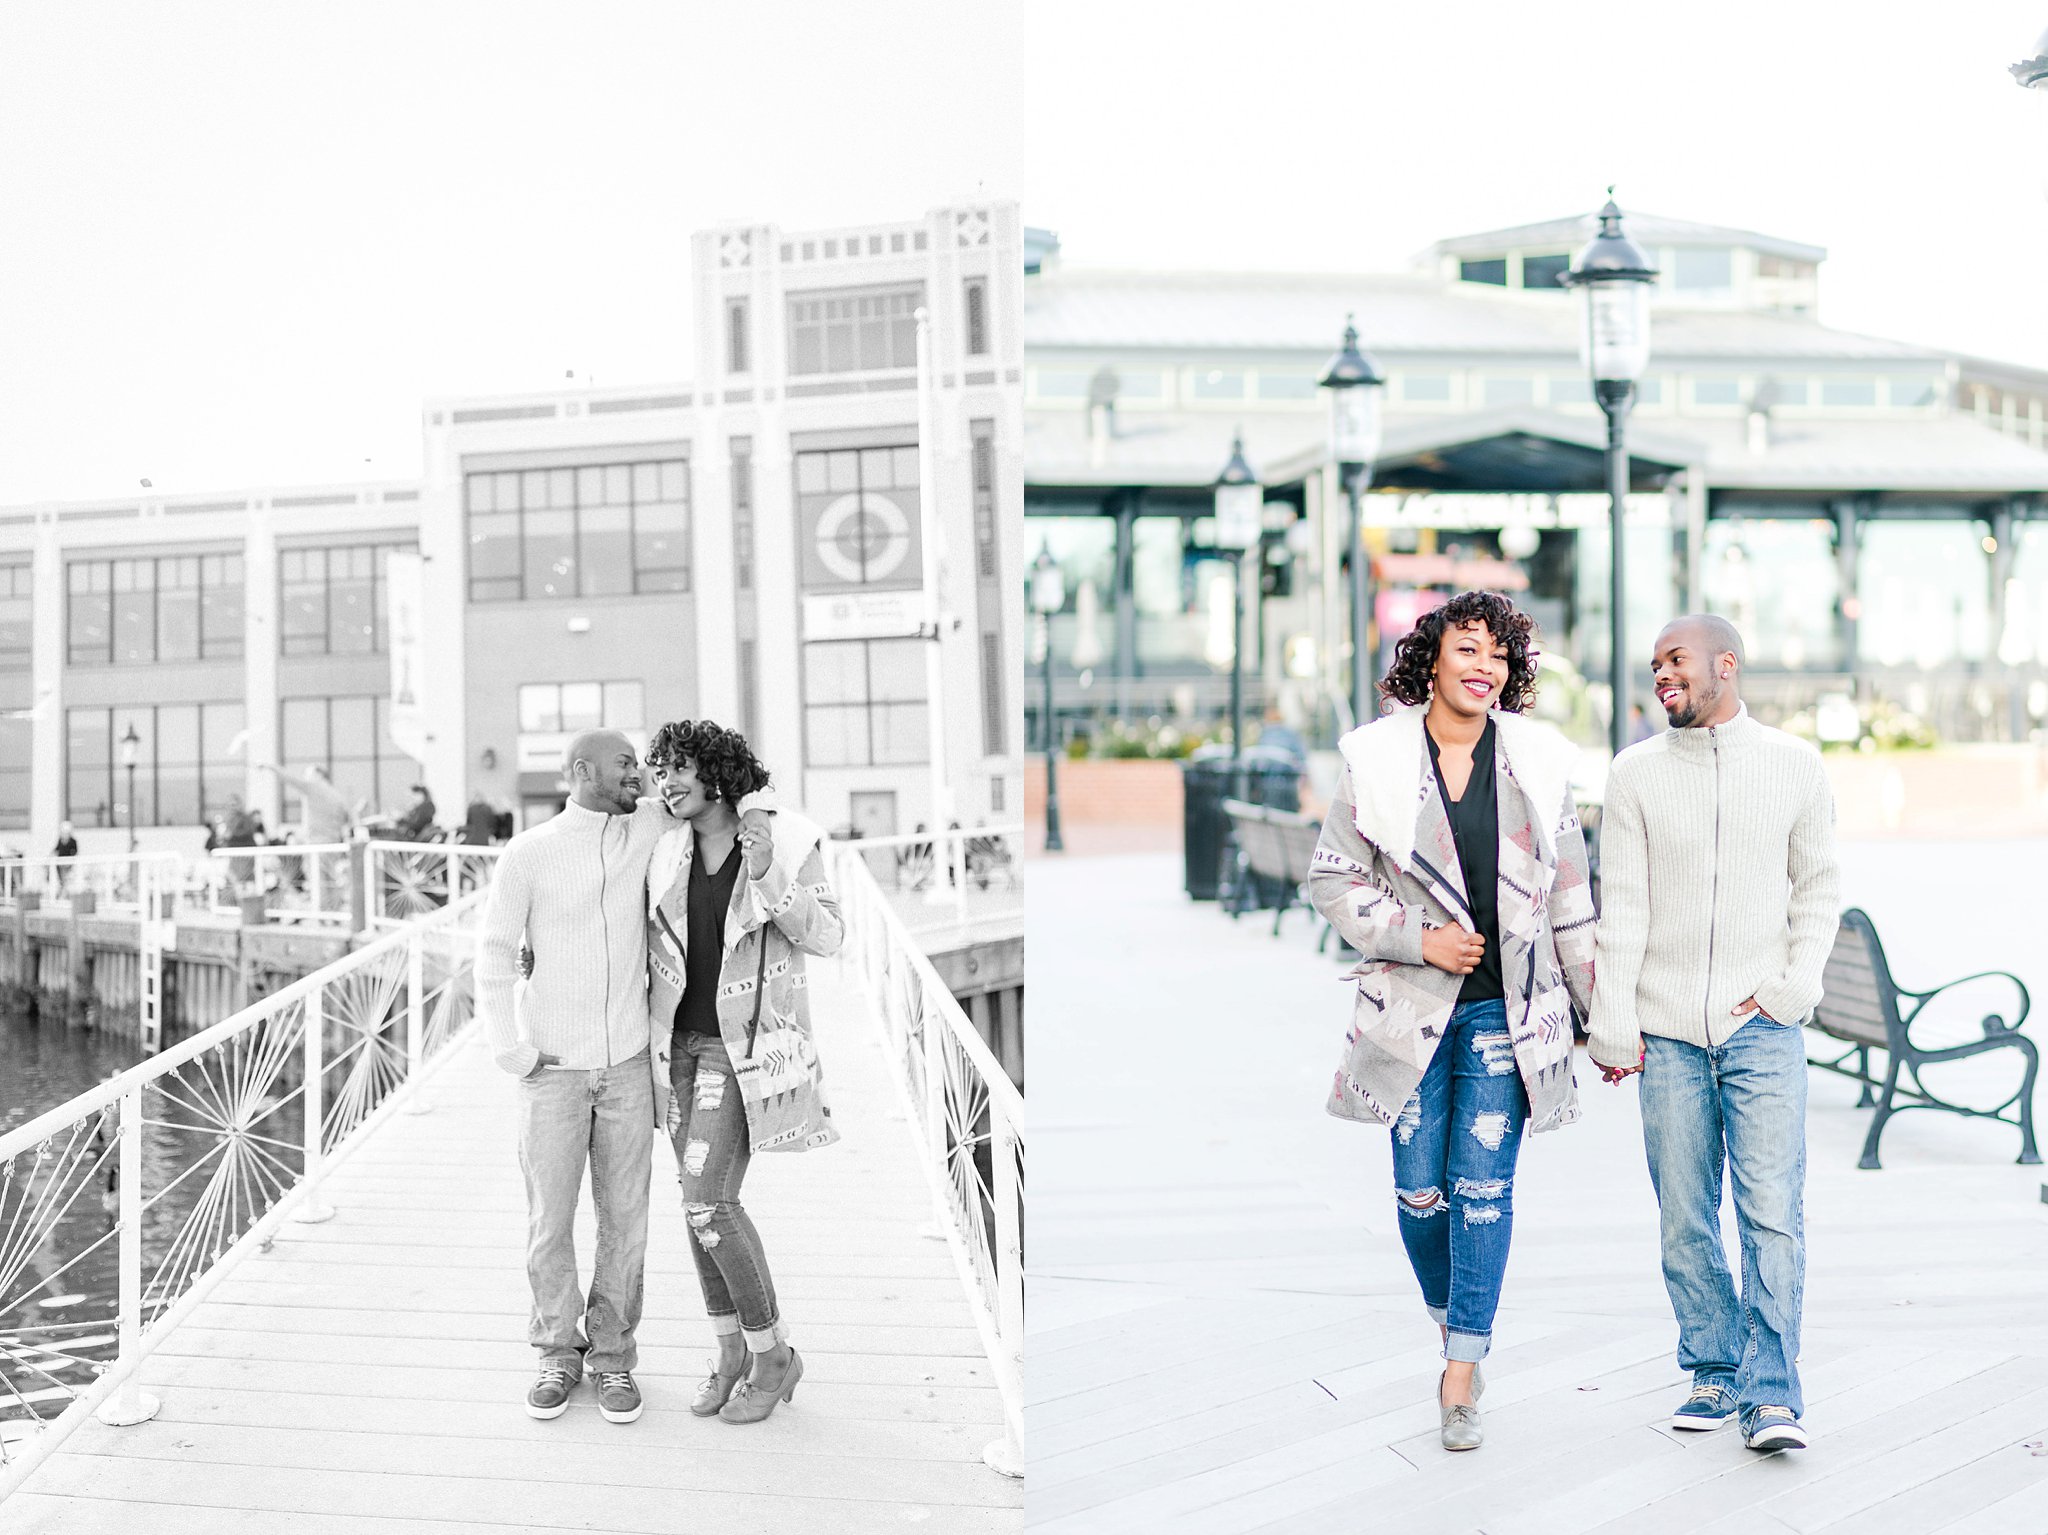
{"x": 1452, "y": 861}
{"x": 732, "y": 912}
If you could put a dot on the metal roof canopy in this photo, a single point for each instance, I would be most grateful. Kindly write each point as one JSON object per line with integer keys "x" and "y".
{"x": 1516, "y": 450}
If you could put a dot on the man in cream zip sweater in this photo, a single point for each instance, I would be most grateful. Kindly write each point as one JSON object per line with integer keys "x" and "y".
{"x": 578, "y": 1038}
{"x": 1719, "y": 901}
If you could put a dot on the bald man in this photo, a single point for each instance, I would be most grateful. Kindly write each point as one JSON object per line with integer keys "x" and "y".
{"x": 1719, "y": 899}
{"x": 574, "y": 891}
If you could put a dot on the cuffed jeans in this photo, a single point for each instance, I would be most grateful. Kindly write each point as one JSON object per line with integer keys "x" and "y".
{"x": 1461, "y": 1132}
{"x": 604, "y": 1118}
{"x": 1741, "y": 1105}
{"x": 707, "y": 1124}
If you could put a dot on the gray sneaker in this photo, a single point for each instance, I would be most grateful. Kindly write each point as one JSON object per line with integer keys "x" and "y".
{"x": 549, "y": 1397}
{"x": 618, "y": 1399}
{"x": 1775, "y": 1428}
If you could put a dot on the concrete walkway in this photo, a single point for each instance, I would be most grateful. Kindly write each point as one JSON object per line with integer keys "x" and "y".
{"x": 1226, "y": 1336}
{"x": 366, "y": 1376}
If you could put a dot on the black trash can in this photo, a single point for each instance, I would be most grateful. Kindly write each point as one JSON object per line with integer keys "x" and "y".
{"x": 1269, "y": 778}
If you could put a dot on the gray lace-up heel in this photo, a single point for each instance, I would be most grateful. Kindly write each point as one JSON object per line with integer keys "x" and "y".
{"x": 1461, "y": 1425}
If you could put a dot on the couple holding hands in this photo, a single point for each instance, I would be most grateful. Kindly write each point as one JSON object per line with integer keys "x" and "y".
{"x": 1452, "y": 861}
{"x": 665, "y": 989}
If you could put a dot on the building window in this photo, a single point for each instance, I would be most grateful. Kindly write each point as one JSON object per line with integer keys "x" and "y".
{"x": 132, "y": 612}
{"x": 1925, "y": 592}
{"x": 1216, "y": 384}
{"x": 331, "y": 602}
{"x": 737, "y": 358}
{"x": 742, "y": 449}
{"x": 1698, "y": 270}
{"x": 1920, "y": 391}
{"x": 1494, "y": 272}
{"x": 1850, "y": 392}
{"x": 351, "y": 738}
{"x": 992, "y": 711}
{"x": 1288, "y": 386}
{"x": 1425, "y": 388}
{"x": 983, "y": 460}
{"x": 594, "y": 531}
{"x": 854, "y": 330}
{"x": 1542, "y": 272}
{"x": 17, "y": 630}
{"x": 17, "y": 739}
{"x": 1778, "y": 579}
{"x": 1716, "y": 391}
{"x": 558, "y": 708}
{"x": 857, "y": 511}
{"x": 864, "y": 704}
{"x": 1508, "y": 391}
{"x": 185, "y": 770}
{"x": 1570, "y": 389}
{"x": 977, "y": 316}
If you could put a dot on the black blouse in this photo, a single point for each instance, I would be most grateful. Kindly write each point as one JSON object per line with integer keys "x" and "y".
{"x": 1475, "y": 827}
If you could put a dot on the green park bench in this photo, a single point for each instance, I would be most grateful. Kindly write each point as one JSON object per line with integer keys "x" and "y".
{"x": 1865, "y": 1009}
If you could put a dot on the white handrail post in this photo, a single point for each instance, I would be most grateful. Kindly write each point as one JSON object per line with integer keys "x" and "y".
{"x": 312, "y": 1100}
{"x": 316, "y": 880}
{"x": 415, "y": 1022}
{"x": 129, "y": 1404}
{"x": 1006, "y": 1455}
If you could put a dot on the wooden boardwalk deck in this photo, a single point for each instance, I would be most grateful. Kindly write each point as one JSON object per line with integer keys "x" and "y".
{"x": 366, "y": 1375}
{"x": 1226, "y": 1338}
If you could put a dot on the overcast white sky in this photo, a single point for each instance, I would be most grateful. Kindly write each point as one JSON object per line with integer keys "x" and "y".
{"x": 1348, "y": 136}
{"x": 243, "y": 241}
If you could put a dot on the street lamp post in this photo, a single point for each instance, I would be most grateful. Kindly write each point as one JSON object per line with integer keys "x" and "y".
{"x": 1239, "y": 504}
{"x": 1048, "y": 596}
{"x": 131, "y": 743}
{"x": 1613, "y": 278}
{"x": 1354, "y": 383}
{"x": 2033, "y": 73}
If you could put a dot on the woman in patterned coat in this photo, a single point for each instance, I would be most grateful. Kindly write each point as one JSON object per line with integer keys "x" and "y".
{"x": 732, "y": 912}
{"x": 1451, "y": 859}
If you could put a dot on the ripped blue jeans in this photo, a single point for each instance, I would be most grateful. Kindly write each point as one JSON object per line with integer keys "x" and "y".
{"x": 1455, "y": 1145}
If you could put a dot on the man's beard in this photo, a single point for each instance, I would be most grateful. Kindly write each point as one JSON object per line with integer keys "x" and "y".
{"x": 1699, "y": 705}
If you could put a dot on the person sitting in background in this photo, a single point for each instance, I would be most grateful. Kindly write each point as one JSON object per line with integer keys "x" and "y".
{"x": 67, "y": 847}
{"x": 479, "y": 823}
{"x": 414, "y": 825}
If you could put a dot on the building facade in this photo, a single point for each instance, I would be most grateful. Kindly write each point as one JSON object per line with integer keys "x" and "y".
{"x": 1866, "y": 510}
{"x": 757, "y": 544}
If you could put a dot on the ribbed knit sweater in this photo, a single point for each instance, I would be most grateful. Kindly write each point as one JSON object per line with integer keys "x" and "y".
{"x": 575, "y": 889}
{"x": 1719, "y": 882}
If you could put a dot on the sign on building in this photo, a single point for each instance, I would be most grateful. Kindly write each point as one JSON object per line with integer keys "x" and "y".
{"x": 402, "y": 583}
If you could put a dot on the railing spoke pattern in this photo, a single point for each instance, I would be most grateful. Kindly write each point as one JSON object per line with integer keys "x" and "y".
{"x": 220, "y": 1155}
{"x": 968, "y": 1118}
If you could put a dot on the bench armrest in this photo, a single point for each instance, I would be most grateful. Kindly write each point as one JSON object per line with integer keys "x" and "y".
{"x": 1993, "y": 1023}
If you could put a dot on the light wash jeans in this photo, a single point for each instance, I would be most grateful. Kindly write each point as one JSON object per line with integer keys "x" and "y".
{"x": 604, "y": 1118}
{"x": 707, "y": 1125}
{"x": 1462, "y": 1131}
{"x": 1739, "y": 1105}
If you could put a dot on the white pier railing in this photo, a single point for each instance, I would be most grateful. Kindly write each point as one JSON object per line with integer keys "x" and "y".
{"x": 969, "y": 1121}
{"x": 120, "y": 1210}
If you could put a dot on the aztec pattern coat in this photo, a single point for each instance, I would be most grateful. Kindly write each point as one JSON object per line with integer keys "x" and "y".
{"x": 771, "y": 925}
{"x": 1386, "y": 868}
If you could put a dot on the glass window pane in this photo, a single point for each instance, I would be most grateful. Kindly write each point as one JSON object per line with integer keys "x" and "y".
{"x": 16, "y": 628}
{"x": 351, "y": 604}
{"x": 134, "y": 611}
{"x": 810, "y": 472}
{"x": 506, "y": 496}
{"x": 675, "y": 480}
{"x": 660, "y": 540}
{"x": 835, "y": 736}
{"x": 590, "y": 486}
{"x": 896, "y": 670}
{"x": 1695, "y": 270}
{"x": 1426, "y": 388}
{"x": 877, "y": 468}
{"x": 219, "y": 725}
{"x": 623, "y": 705}
{"x": 494, "y": 556}
{"x": 302, "y": 733}
{"x": 1925, "y": 592}
{"x": 540, "y": 707}
{"x": 90, "y": 621}
{"x": 177, "y": 622}
{"x": 902, "y": 734}
{"x": 582, "y": 705}
{"x": 646, "y": 482}
{"x": 1716, "y": 391}
{"x": 842, "y": 471}
{"x": 1499, "y": 391}
{"x": 618, "y": 485}
{"x": 1849, "y": 391}
{"x": 607, "y": 550}
{"x": 904, "y": 468}
{"x": 1542, "y": 272}
{"x": 1217, "y": 384}
{"x": 1495, "y": 271}
{"x": 353, "y": 727}
{"x": 561, "y": 488}
{"x": 550, "y": 568}
{"x": 479, "y": 488}
{"x": 835, "y": 672}
{"x": 222, "y": 609}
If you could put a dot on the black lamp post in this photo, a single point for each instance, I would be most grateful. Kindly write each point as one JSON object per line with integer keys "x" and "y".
{"x": 1354, "y": 383}
{"x": 1613, "y": 277}
{"x": 2033, "y": 73}
{"x": 131, "y": 743}
{"x": 1239, "y": 504}
{"x": 1048, "y": 596}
